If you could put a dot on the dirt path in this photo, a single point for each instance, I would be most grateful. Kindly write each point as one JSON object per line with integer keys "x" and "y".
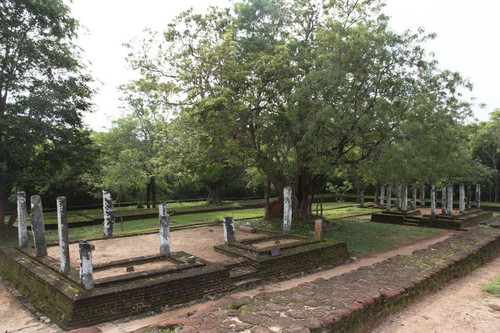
{"x": 459, "y": 307}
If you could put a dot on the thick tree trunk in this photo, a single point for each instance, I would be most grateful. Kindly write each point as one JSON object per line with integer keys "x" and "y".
{"x": 214, "y": 193}
{"x": 153, "y": 190}
{"x": 302, "y": 189}
{"x": 496, "y": 180}
{"x": 377, "y": 193}
{"x": 148, "y": 194}
{"x": 268, "y": 198}
{"x": 4, "y": 197}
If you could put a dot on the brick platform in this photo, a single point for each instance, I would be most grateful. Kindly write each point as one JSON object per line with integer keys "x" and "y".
{"x": 353, "y": 301}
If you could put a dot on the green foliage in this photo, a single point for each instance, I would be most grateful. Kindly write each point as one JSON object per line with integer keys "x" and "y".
{"x": 493, "y": 287}
{"x": 296, "y": 88}
{"x": 43, "y": 92}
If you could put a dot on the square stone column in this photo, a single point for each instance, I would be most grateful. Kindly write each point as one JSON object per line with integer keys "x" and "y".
{"x": 318, "y": 230}
{"x": 414, "y": 199}
{"x": 38, "y": 226}
{"x": 388, "y": 207}
{"x": 449, "y": 196}
{"x": 86, "y": 269}
{"x": 164, "y": 230}
{"x": 478, "y": 196}
{"x": 22, "y": 226}
{"x": 382, "y": 195}
{"x": 109, "y": 218}
{"x": 469, "y": 198}
{"x": 433, "y": 203}
{"x": 461, "y": 196}
{"x": 443, "y": 200}
{"x": 287, "y": 210}
{"x": 229, "y": 231}
{"x": 404, "y": 198}
{"x": 62, "y": 228}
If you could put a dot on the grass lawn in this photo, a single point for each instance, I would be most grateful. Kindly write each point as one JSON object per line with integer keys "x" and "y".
{"x": 493, "y": 287}
{"x": 360, "y": 236}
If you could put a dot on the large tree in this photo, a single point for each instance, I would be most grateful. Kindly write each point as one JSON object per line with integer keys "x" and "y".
{"x": 300, "y": 86}
{"x": 486, "y": 147}
{"x": 43, "y": 92}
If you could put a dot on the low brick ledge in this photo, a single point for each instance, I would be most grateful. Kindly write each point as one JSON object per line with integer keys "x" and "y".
{"x": 351, "y": 302}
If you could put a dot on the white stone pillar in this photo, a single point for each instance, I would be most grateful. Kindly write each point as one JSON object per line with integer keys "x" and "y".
{"x": 22, "y": 214}
{"x": 422, "y": 196}
{"x": 461, "y": 196}
{"x": 229, "y": 231}
{"x": 86, "y": 270}
{"x": 62, "y": 227}
{"x": 37, "y": 226}
{"x": 469, "y": 198}
{"x": 443, "y": 200}
{"x": 433, "y": 203}
{"x": 414, "y": 199}
{"x": 449, "y": 196}
{"x": 109, "y": 218}
{"x": 388, "y": 208}
{"x": 287, "y": 210}
{"x": 382, "y": 195}
{"x": 404, "y": 198}
{"x": 362, "y": 198}
{"x": 478, "y": 196}
{"x": 164, "y": 230}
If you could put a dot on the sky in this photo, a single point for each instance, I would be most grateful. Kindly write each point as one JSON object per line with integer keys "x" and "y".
{"x": 468, "y": 41}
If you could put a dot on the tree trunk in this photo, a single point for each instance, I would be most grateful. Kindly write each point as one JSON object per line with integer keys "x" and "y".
{"x": 4, "y": 197}
{"x": 302, "y": 189}
{"x": 268, "y": 198}
{"x": 496, "y": 180}
{"x": 148, "y": 194}
{"x": 376, "y": 198}
{"x": 153, "y": 190}
{"x": 214, "y": 193}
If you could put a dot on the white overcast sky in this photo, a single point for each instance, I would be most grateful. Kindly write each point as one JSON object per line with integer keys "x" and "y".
{"x": 468, "y": 41}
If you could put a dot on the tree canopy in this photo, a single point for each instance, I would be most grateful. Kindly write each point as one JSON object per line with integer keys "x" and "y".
{"x": 43, "y": 93}
{"x": 300, "y": 87}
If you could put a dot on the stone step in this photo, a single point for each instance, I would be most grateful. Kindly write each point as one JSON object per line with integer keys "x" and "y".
{"x": 247, "y": 282}
{"x": 239, "y": 273}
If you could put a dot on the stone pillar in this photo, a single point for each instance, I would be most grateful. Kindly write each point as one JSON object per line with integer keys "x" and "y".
{"x": 86, "y": 271}
{"x": 478, "y": 196}
{"x": 164, "y": 230}
{"x": 62, "y": 227}
{"x": 109, "y": 218}
{"x": 404, "y": 195}
{"x": 469, "y": 198}
{"x": 382, "y": 195}
{"x": 414, "y": 199}
{"x": 229, "y": 233}
{"x": 22, "y": 213}
{"x": 461, "y": 197}
{"x": 362, "y": 198}
{"x": 37, "y": 226}
{"x": 433, "y": 203}
{"x": 443, "y": 200}
{"x": 422, "y": 196}
{"x": 318, "y": 230}
{"x": 287, "y": 210}
{"x": 388, "y": 198}
{"x": 449, "y": 196}
{"x": 398, "y": 196}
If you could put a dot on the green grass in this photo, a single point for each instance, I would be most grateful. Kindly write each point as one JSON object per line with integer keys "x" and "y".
{"x": 493, "y": 287}
{"x": 359, "y": 235}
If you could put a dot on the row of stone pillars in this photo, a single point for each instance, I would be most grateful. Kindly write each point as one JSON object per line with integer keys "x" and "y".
{"x": 446, "y": 198}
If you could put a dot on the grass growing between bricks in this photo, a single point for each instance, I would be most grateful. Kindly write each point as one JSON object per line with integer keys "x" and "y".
{"x": 493, "y": 287}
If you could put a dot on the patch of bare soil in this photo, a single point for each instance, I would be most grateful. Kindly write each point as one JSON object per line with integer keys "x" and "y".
{"x": 460, "y": 307}
{"x": 198, "y": 242}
